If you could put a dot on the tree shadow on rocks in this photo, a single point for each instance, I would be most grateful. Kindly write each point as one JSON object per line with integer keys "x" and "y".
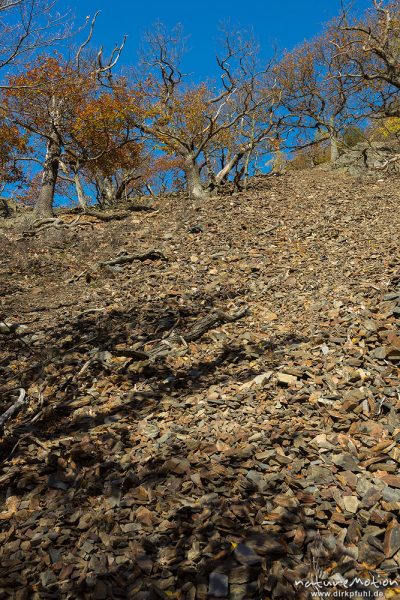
{"x": 104, "y": 505}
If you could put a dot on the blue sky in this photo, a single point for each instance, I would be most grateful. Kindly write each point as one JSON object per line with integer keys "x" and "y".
{"x": 285, "y": 23}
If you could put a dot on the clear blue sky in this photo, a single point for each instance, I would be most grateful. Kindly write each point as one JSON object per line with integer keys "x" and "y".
{"x": 285, "y": 23}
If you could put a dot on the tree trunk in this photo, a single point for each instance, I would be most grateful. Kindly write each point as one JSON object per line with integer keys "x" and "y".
{"x": 44, "y": 204}
{"x": 333, "y": 140}
{"x": 128, "y": 177}
{"x": 246, "y": 170}
{"x": 228, "y": 167}
{"x": 105, "y": 190}
{"x": 210, "y": 170}
{"x": 108, "y": 191}
{"x": 193, "y": 180}
{"x": 80, "y": 191}
{"x": 334, "y": 148}
{"x": 278, "y": 164}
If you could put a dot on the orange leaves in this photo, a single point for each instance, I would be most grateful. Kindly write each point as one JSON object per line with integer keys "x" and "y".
{"x": 11, "y": 139}
{"x": 58, "y": 99}
{"x": 12, "y": 144}
{"x": 103, "y": 132}
{"x": 175, "y": 118}
{"x": 99, "y": 120}
{"x": 108, "y": 111}
{"x": 194, "y": 106}
{"x": 45, "y": 72}
{"x": 50, "y": 78}
{"x": 47, "y": 95}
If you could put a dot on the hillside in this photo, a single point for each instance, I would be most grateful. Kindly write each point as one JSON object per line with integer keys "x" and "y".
{"x": 258, "y": 447}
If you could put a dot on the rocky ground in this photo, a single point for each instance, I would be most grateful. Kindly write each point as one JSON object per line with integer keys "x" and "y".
{"x": 239, "y": 462}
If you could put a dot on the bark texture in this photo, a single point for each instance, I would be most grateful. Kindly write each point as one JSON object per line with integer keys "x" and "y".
{"x": 44, "y": 204}
{"x": 80, "y": 191}
{"x": 334, "y": 148}
{"x": 195, "y": 186}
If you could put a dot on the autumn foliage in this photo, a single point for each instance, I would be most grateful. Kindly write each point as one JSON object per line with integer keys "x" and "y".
{"x": 12, "y": 145}
{"x": 88, "y": 129}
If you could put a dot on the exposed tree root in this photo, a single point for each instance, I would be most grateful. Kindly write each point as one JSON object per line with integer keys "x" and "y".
{"x": 13, "y": 408}
{"x": 56, "y": 223}
{"x": 216, "y": 317}
{"x": 116, "y": 216}
{"x": 128, "y": 258}
{"x": 120, "y": 260}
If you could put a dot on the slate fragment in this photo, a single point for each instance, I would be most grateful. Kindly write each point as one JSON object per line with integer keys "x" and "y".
{"x": 391, "y": 542}
{"x": 218, "y": 585}
{"x": 245, "y": 555}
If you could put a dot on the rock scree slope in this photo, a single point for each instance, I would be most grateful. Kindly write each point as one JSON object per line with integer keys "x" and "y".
{"x": 240, "y": 459}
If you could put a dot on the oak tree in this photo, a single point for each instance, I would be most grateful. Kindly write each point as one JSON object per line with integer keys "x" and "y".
{"x": 189, "y": 120}
{"x": 318, "y": 101}
{"x": 25, "y": 27}
{"x": 47, "y": 101}
{"x": 371, "y": 48}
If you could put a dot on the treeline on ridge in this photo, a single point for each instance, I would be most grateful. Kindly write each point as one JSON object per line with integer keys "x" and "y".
{"x": 75, "y": 124}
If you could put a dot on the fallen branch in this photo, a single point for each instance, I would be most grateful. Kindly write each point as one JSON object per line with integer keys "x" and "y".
{"x": 106, "y": 214}
{"x": 141, "y": 208}
{"x": 388, "y": 162}
{"x": 117, "y": 216}
{"x": 77, "y": 277}
{"x": 272, "y": 228}
{"x": 216, "y": 317}
{"x": 13, "y": 329}
{"x": 128, "y": 258}
{"x": 13, "y": 408}
{"x": 121, "y": 260}
{"x": 89, "y": 311}
{"x": 153, "y": 213}
{"x": 5, "y": 328}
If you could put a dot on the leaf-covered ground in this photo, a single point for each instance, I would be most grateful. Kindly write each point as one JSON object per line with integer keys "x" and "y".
{"x": 239, "y": 465}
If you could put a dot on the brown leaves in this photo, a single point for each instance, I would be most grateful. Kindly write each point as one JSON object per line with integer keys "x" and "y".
{"x": 52, "y": 91}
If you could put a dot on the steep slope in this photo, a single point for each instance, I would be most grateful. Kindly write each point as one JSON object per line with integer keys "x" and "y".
{"x": 261, "y": 454}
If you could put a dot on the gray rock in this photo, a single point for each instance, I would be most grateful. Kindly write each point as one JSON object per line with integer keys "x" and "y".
{"x": 346, "y": 461}
{"x": 371, "y": 497}
{"x": 218, "y": 585}
{"x": 286, "y": 379}
{"x": 351, "y": 503}
{"x": 364, "y": 157}
{"x": 392, "y": 296}
{"x": 257, "y": 479}
{"x": 246, "y": 555}
{"x": 320, "y": 475}
{"x": 390, "y": 494}
{"x": 242, "y": 574}
{"x": 369, "y": 554}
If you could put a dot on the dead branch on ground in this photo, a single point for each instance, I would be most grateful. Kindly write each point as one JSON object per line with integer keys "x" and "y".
{"x": 120, "y": 260}
{"x": 13, "y": 408}
{"x": 215, "y": 317}
{"x": 128, "y": 258}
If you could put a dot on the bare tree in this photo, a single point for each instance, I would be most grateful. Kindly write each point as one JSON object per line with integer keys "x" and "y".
{"x": 27, "y": 26}
{"x": 190, "y": 120}
{"x": 46, "y": 101}
{"x": 320, "y": 103}
{"x": 371, "y": 49}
